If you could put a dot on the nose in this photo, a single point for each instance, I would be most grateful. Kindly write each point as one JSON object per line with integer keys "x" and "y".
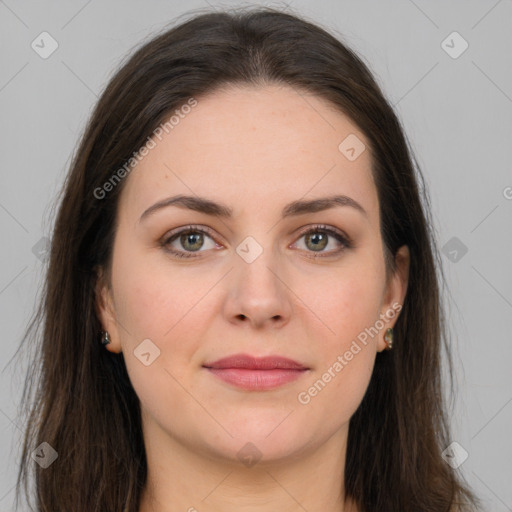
{"x": 258, "y": 294}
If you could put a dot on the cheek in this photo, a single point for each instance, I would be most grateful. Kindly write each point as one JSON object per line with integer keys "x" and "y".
{"x": 346, "y": 356}
{"x": 153, "y": 297}
{"x": 337, "y": 390}
{"x": 348, "y": 302}
{"x": 349, "y": 306}
{"x": 163, "y": 304}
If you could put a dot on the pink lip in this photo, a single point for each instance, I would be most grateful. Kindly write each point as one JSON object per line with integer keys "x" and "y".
{"x": 256, "y": 373}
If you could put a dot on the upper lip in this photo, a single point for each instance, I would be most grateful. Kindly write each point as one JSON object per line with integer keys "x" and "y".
{"x": 256, "y": 363}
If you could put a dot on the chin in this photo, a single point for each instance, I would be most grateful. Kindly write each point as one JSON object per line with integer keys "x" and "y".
{"x": 261, "y": 442}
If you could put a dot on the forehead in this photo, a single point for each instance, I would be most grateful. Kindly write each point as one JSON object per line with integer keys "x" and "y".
{"x": 255, "y": 145}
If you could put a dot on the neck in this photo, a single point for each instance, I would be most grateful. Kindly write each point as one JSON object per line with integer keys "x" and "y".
{"x": 186, "y": 478}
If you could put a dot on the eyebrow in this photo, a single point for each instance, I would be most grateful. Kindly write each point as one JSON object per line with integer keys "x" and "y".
{"x": 209, "y": 207}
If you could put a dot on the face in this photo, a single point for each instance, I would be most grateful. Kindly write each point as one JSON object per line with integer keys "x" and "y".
{"x": 309, "y": 286}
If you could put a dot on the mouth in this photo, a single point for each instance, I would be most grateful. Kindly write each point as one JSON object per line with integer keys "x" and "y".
{"x": 256, "y": 373}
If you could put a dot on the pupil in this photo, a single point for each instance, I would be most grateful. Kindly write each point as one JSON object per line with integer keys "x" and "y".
{"x": 190, "y": 237}
{"x": 319, "y": 240}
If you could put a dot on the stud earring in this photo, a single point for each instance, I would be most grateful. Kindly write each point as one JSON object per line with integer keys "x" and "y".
{"x": 105, "y": 338}
{"x": 388, "y": 339}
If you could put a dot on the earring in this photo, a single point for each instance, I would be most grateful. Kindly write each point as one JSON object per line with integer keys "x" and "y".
{"x": 105, "y": 338}
{"x": 388, "y": 339}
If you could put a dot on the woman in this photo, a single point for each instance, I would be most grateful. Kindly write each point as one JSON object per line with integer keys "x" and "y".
{"x": 242, "y": 306}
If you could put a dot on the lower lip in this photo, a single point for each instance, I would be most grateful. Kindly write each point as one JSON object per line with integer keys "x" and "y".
{"x": 256, "y": 380}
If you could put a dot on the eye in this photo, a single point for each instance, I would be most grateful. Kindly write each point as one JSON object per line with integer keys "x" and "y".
{"x": 317, "y": 238}
{"x": 189, "y": 240}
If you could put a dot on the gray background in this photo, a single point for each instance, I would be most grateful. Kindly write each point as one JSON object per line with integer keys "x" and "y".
{"x": 457, "y": 113}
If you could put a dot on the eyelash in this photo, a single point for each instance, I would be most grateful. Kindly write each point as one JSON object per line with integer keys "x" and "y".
{"x": 343, "y": 239}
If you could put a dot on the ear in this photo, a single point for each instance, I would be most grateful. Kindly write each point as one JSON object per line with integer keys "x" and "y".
{"x": 104, "y": 305}
{"x": 396, "y": 289}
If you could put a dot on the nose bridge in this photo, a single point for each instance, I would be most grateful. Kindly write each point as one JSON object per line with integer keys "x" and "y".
{"x": 257, "y": 293}
{"x": 260, "y": 274}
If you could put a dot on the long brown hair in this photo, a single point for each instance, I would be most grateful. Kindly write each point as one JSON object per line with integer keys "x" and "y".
{"x": 78, "y": 397}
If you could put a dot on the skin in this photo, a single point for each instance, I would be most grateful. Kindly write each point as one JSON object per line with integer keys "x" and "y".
{"x": 254, "y": 149}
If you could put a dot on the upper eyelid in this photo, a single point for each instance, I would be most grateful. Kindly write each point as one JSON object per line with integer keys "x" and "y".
{"x": 189, "y": 228}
